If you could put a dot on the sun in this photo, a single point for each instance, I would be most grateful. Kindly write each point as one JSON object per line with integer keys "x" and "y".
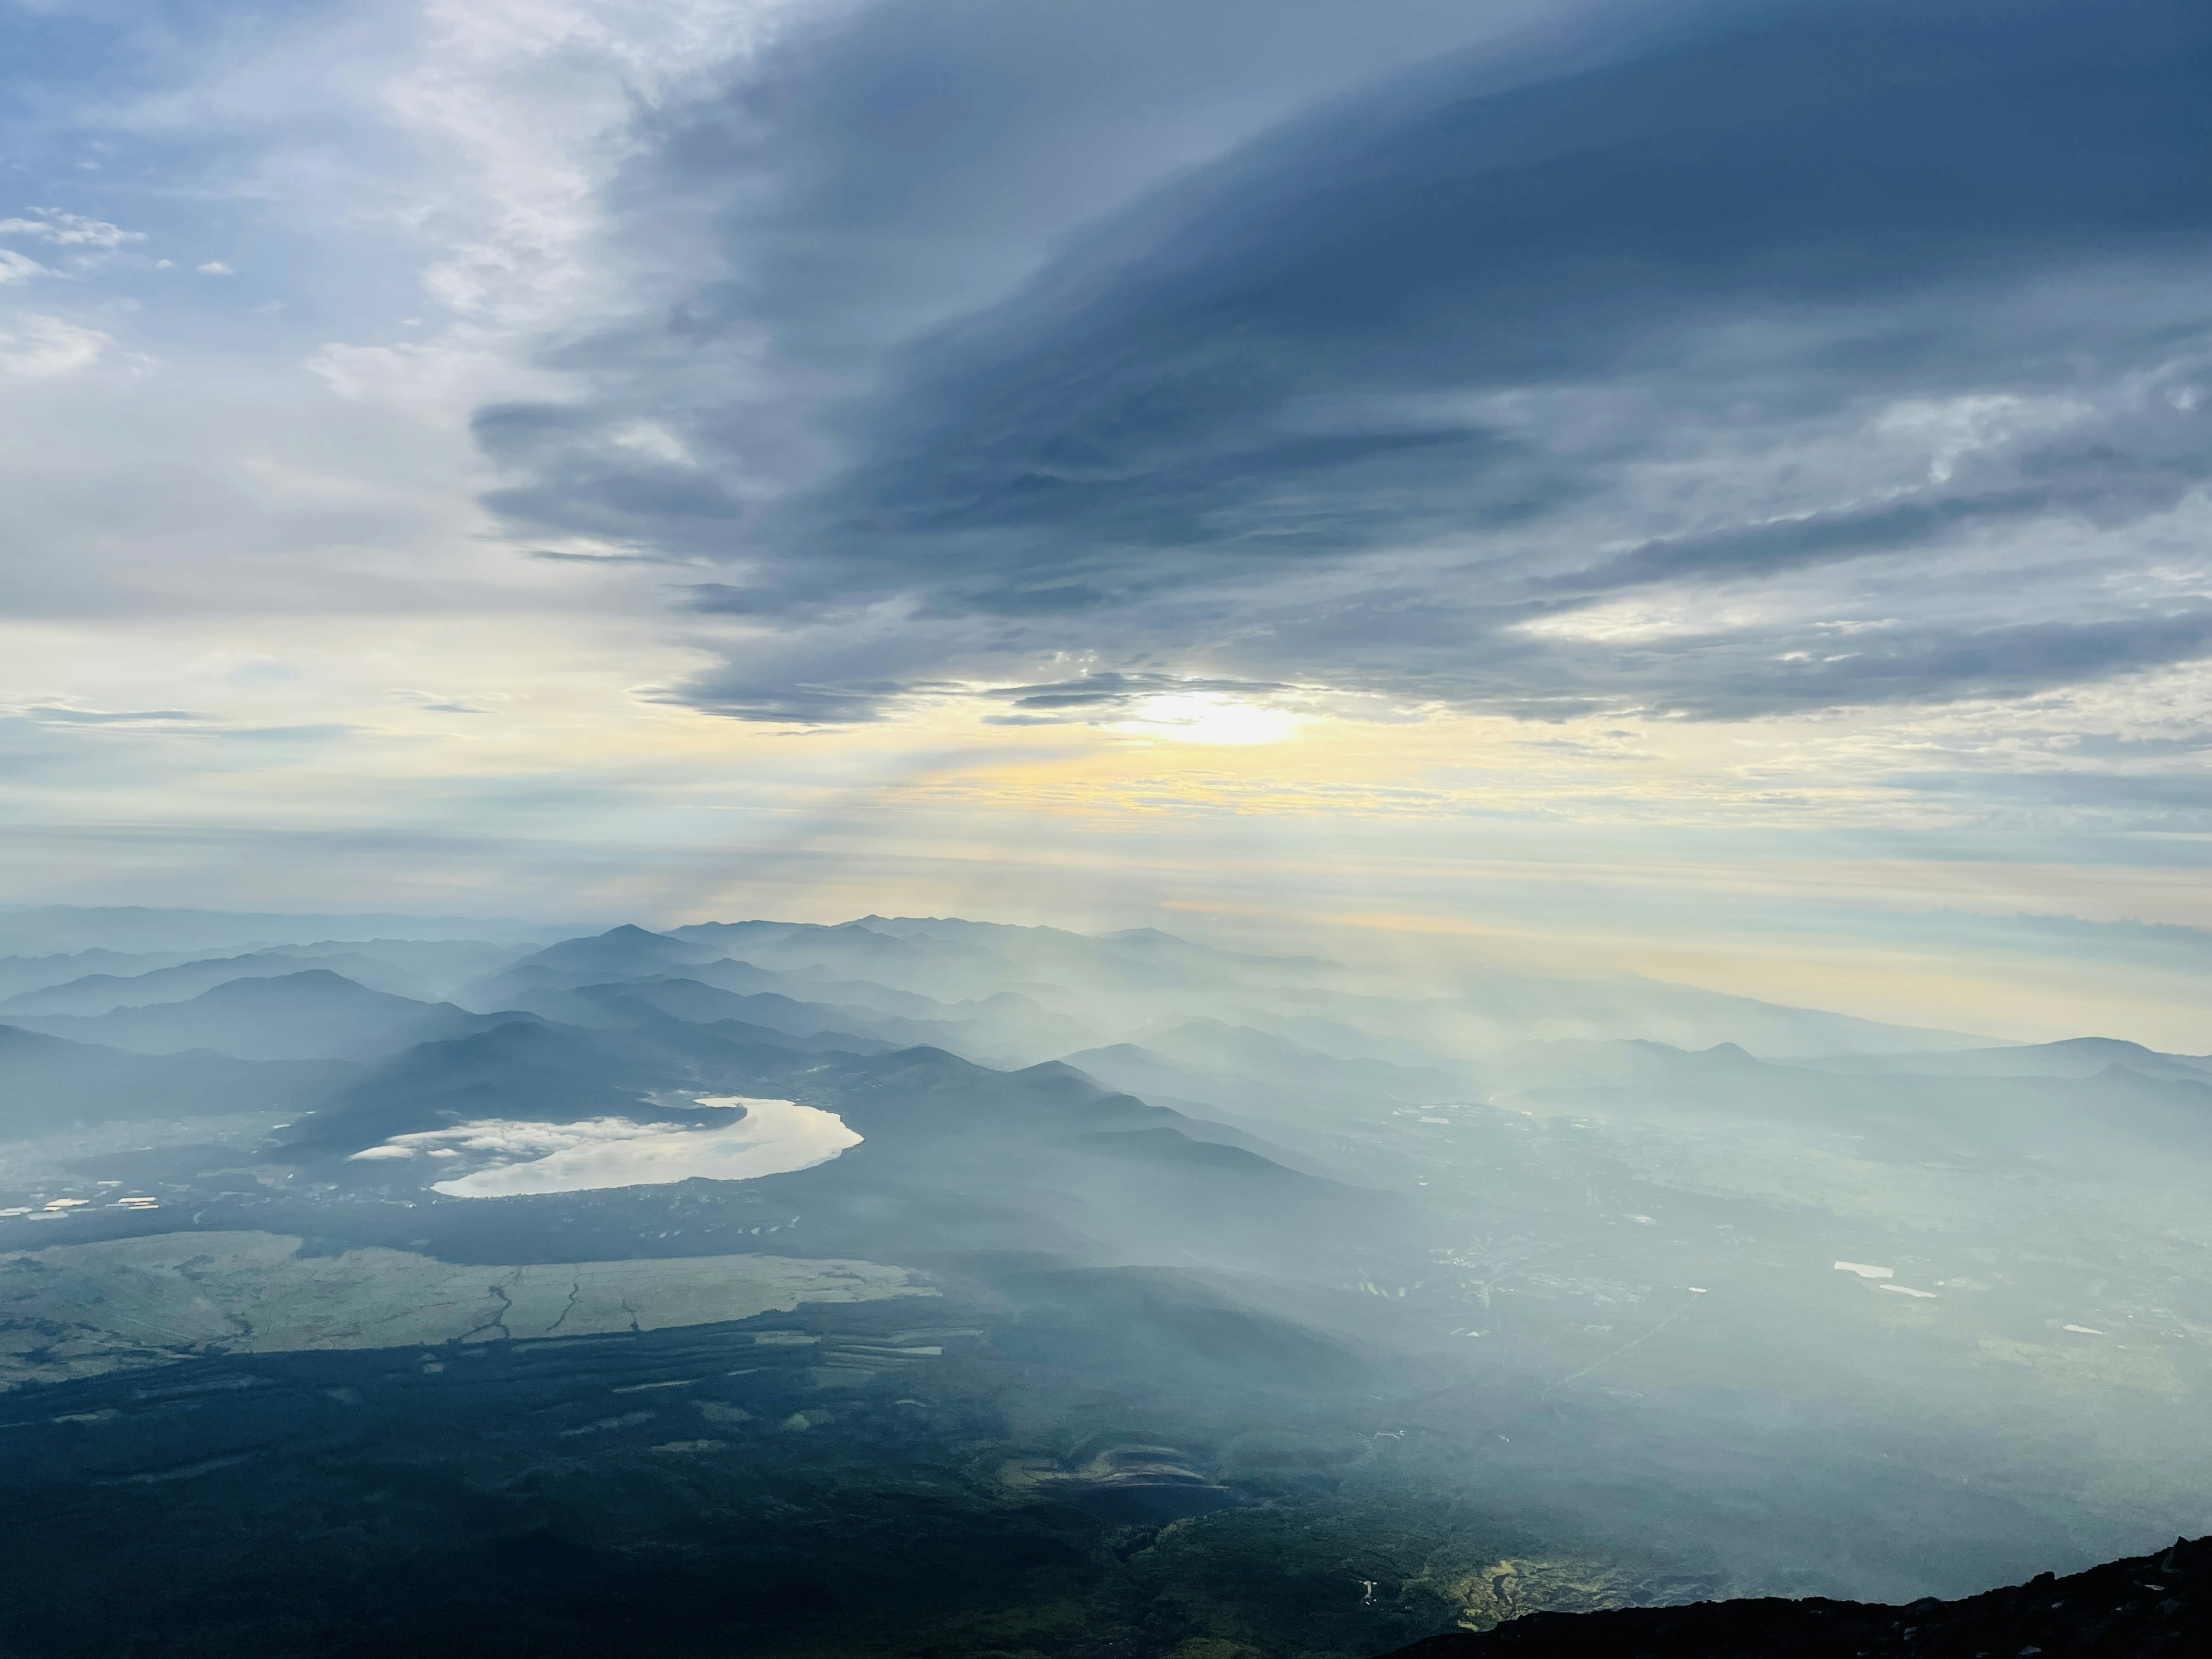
{"x": 1200, "y": 717}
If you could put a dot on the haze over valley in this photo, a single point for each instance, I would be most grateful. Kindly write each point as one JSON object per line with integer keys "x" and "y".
{"x": 1228, "y": 1296}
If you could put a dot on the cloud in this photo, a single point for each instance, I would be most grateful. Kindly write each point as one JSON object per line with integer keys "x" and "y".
{"x": 436, "y": 704}
{"x": 16, "y": 269}
{"x": 106, "y": 717}
{"x": 1163, "y": 371}
{"x": 48, "y": 348}
{"x": 1741, "y": 674}
{"x": 511, "y": 1138}
{"x": 217, "y": 268}
{"x": 1794, "y": 319}
{"x": 2137, "y": 802}
{"x": 70, "y": 230}
{"x": 1116, "y": 691}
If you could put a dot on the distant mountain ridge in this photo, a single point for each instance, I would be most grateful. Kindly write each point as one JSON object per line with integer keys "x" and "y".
{"x": 310, "y": 1014}
{"x": 2069, "y": 1057}
{"x": 100, "y": 994}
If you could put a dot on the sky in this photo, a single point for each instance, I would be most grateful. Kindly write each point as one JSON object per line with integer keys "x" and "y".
{"x": 1715, "y": 490}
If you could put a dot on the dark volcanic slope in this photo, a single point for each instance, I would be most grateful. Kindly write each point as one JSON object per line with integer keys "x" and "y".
{"x": 2149, "y": 1605}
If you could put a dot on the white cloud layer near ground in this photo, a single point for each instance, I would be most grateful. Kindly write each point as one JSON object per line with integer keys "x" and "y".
{"x": 504, "y": 1158}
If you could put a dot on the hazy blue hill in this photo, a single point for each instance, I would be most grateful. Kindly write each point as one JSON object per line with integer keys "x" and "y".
{"x": 1306, "y": 1118}
{"x": 690, "y": 1000}
{"x": 428, "y": 968}
{"x": 100, "y": 994}
{"x": 2075, "y": 1057}
{"x": 958, "y": 1124}
{"x": 1478, "y": 1015}
{"x": 606, "y": 1004}
{"x": 712, "y": 1046}
{"x": 310, "y": 1014}
{"x": 1001, "y": 1019}
{"x": 1325, "y": 1034}
{"x": 1005, "y": 1029}
{"x": 619, "y": 955}
{"x": 623, "y": 952}
{"x": 928, "y": 1094}
{"x": 515, "y": 1069}
{"x": 1172, "y": 1149}
{"x": 1131, "y": 1066}
{"x": 20, "y": 973}
{"x": 2115, "y": 1119}
{"x": 2163, "y": 1115}
{"x": 439, "y": 966}
{"x": 935, "y": 966}
{"x": 49, "y": 1084}
{"x": 772, "y": 943}
{"x": 810, "y": 983}
{"x": 958, "y": 1155}
{"x": 742, "y": 1042}
{"x": 682, "y": 1014}
{"x": 744, "y": 978}
{"x": 732, "y": 934}
{"x": 1773, "y": 1029}
{"x": 504, "y": 988}
{"x": 1496, "y": 1011}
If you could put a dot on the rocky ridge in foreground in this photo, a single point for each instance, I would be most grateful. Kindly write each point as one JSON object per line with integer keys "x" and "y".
{"x": 2151, "y": 1605}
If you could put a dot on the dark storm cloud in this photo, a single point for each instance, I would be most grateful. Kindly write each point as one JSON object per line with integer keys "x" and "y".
{"x": 2115, "y": 479}
{"x": 962, "y": 371}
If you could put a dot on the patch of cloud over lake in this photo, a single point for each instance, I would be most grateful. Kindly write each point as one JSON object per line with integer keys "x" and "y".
{"x": 513, "y": 1157}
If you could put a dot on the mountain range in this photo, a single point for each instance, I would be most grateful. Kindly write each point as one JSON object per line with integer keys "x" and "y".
{"x": 1274, "y": 1303}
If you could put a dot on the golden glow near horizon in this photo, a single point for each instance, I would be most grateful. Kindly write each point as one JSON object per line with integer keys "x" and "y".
{"x": 550, "y": 780}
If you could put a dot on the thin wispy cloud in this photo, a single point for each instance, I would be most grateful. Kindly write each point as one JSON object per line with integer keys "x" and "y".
{"x": 63, "y": 229}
